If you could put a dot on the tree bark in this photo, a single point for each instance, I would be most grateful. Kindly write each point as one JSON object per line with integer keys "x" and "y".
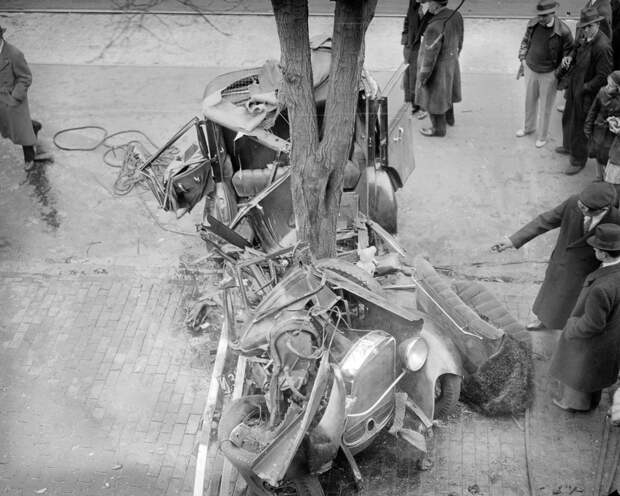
{"x": 318, "y": 166}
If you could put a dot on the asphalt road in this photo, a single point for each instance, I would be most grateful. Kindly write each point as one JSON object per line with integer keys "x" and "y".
{"x": 484, "y": 8}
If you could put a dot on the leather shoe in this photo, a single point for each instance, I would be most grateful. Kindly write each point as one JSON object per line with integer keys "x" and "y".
{"x": 28, "y": 166}
{"x": 44, "y": 156}
{"x": 562, "y": 151}
{"x": 566, "y": 408}
{"x": 429, "y": 131}
{"x": 422, "y": 114}
{"x": 535, "y": 325}
{"x": 571, "y": 170}
{"x": 522, "y": 132}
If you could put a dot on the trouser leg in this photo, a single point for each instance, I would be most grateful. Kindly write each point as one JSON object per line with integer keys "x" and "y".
{"x": 450, "y": 116}
{"x": 439, "y": 123}
{"x": 36, "y": 127}
{"x": 547, "y": 89}
{"x": 531, "y": 99}
{"x": 28, "y": 153}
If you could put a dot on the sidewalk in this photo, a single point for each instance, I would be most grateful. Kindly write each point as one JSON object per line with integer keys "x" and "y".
{"x": 101, "y": 388}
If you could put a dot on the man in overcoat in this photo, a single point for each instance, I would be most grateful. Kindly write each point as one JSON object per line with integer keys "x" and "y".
{"x": 438, "y": 84}
{"x": 15, "y": 121}
{"x": 572, "y": 258}
{"x": 586, "y": 358}
{"x": 591, "y": 65}
{"x": 605, "y": 10}
{"x": 413, "y": 27}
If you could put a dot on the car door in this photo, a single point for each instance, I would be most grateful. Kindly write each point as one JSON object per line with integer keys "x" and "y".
{"x": 400, "y": 127}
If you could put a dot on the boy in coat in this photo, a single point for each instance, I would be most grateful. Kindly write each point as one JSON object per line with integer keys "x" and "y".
{"x": 15, "y": 121}
{"x": 572, "y": 258}
{"x": 438, "y": 84}
{"x": 586, "y": 358}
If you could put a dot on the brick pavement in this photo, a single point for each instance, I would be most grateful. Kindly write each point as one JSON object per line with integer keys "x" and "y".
{"x": 101, "y": 391}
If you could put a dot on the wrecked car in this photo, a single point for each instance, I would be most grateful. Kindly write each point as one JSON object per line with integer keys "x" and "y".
{"x": 237, "y": 157}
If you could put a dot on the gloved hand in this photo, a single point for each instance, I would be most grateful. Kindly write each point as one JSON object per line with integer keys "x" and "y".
{"x": 502, "y": 245}
{"x": 566, "y": 62}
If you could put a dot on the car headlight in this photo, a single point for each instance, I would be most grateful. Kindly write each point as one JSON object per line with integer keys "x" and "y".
{"x": 413, "y": 353}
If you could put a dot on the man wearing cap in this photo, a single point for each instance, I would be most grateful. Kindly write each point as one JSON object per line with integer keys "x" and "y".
{"x": 586, "y": 358}
{"x": 438, "y": 84}
{"x": 15, "y": 121}
{"x": 546, "y": 42}
{"x": 591, "y": 63}
{"x": 572, "y": 258}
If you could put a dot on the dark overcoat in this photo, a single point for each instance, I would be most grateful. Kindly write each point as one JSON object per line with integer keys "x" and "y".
{"x": 413, "y": 27}
{"x": 438, "y": 83}
{"x": 586, "y": 358}
{"x": 592, "y": 65}
{"x": 606, "y": 104}
{"x": 615, "y": 32}
{"x": 15, "y": 79}
{"x": 571, "y": 261}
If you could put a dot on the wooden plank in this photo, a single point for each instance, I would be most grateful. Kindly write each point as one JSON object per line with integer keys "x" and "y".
{"x": 213, "y": 395}
{"x": 229, "y": 472}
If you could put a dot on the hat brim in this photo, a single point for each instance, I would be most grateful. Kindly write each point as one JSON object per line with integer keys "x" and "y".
{"x": 583, "y": 24}
{"x": 547, "y": 11}
{"x": 595, "y": 243}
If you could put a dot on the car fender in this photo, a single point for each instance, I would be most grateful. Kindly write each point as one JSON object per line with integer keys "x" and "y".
{"x": 443, "y": 358}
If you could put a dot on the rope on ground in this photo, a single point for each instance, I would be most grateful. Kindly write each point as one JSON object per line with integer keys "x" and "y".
{"x": 130, "y": 174}
{"x": 528, "y": 460}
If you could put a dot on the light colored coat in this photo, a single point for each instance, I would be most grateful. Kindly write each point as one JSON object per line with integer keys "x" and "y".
{"x": 15, "y": 79}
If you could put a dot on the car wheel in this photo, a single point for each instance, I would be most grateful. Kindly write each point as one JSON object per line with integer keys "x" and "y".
{"x": 447, "y": 392}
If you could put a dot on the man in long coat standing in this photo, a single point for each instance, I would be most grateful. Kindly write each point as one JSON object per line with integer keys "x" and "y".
{"x": 15, "y": 121}
{"x": 572, "y": 258}
{"x": 586, "y": 358}
{"x": 413, "y": 27}
{"x": 592, "y": 63}
{"x": 438, "y": 84}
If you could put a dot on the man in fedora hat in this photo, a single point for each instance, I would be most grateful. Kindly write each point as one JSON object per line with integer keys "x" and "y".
{"x": 586, "y": 358}
{"x": 15, "y": 121}
{"x": 591, "y": 63}
{"x": 572, "y": 258}
{"x": 438, "y": 82}
{"x": 413, "y": 27}
{"x": 546, "y": 42}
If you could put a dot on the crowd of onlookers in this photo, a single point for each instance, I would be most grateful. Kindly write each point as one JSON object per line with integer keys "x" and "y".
{"x": 581, "y": 290}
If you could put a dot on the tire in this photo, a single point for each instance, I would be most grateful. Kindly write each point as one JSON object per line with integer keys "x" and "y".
{"x": 234, "y": 414}
{"x": 351, "y": 272}
{"x": 447, "y": 392}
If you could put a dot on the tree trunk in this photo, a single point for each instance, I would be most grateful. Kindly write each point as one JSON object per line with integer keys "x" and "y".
{"x": 318, "y": 167}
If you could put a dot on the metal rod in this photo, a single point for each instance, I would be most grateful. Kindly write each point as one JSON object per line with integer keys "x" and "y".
{"x": 381, "y": 398}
